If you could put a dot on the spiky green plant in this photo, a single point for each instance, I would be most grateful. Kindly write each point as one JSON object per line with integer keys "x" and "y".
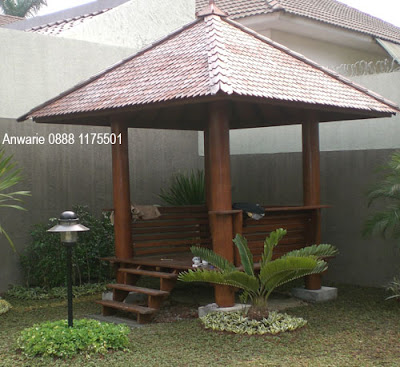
{"x": 9, "y": 176}
{"x": 273, "y": 273}
{"x": 21, "y": 8}
{"x": 387, "y": 221}
{"x": 185, "y": 189}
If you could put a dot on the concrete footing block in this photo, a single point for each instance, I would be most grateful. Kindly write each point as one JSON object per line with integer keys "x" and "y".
{"x": 320, "y": 295}
{"x": 213, "y": 307}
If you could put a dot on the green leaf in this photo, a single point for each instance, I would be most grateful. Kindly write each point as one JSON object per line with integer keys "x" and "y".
{"x": 322, "y": 250}
{"x": 246, "y": 256}
{"x": 213, "y": 258}
{"x": 270, "y": 242}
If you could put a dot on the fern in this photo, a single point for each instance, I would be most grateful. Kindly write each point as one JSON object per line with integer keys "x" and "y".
{"x": 213, "y": 258}
{"x": 322, "y": 250}
{"x": 245, "y": 254}
{"x": 270, "y": 242}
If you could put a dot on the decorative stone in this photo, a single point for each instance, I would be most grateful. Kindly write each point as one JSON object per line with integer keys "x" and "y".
{"x": 213, "y": 307}
{"x": 107, "y": 296}
{"x": 320, "y": 295}
{"x": 134, "y": 297}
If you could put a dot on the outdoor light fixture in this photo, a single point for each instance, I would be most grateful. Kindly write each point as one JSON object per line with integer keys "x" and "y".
{"x": 68, "y": 226}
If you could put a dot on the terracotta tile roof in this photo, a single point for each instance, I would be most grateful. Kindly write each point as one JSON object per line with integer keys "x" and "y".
{"x": 60, "y": 26}
{"x": 210, "y": 56}
{"x": 8, "y": 19}
{"x": 328, "y": 11}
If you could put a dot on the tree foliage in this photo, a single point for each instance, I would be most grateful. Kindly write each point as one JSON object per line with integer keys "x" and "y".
{"x": 387, "y": 192}
{"x": 9, "y": 177}
{"x": 21, "y": 8}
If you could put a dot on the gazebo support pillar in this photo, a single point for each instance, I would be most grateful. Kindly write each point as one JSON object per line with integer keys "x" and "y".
{"x": 218, "y": 190}
{"x": 311, "y": 186}
{"x": 121, "y": 192}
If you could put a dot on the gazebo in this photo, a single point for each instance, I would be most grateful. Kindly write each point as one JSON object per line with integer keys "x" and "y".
{"x": 212, "y": 75}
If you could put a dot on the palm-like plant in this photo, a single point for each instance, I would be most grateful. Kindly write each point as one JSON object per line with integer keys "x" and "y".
{"x": 387, "y": 221}
{"x": 21, "y": 8}
{"x": 9, "y": 176}
{"x": 273, "y": 273}
{"x": 185, "y": 189}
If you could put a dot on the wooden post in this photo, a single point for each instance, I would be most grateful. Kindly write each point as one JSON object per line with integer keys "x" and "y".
{"x": 121, "y": 192}
{"x": 311, "y": 186}
{"x": 219, "y": 196}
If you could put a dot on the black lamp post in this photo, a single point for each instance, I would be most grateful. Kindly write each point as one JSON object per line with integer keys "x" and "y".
{"x": 69, "y": 227}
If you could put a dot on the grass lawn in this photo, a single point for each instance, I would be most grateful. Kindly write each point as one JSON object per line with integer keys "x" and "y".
{"x": 359, "y": 329}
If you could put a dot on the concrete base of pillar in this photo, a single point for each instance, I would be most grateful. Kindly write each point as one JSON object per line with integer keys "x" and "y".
{"x": 213, "y": 307}
{"x": 320, "y": 295}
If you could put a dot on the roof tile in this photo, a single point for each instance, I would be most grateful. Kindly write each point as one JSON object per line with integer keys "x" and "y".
{"x": 209, "y": 56}
{"x": 328, "y": 11}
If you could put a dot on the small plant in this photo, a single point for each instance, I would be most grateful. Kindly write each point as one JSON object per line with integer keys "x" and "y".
{"x": 394, "y": 288}
{"x": 9, "y": 177}
{"x": 43, "y": 261}
{"x": 37, "y": 293}
{"x": 185, "y": 189}
{"x": 273, "y": 273}
{"x": 56, "y": 339}
{"x": 386, "y": 222}
{"x": 4, "y": 306}
{"x": 238, "y": 323}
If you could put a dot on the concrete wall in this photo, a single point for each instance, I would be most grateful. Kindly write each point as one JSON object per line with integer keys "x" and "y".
{"x": 36, "y": 68}
{"x": 136, "y": 23}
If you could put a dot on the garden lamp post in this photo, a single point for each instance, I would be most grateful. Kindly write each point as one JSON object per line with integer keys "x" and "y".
{"x": 68, "y": 226}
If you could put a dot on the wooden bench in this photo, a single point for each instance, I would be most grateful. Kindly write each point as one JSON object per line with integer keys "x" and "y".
{"x": 174, "y": 232}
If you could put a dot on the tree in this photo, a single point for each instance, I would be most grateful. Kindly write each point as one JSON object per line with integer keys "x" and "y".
{"x": 387, "y": 221}
{"x": 9, "y": 176}
{"x": 273, "y": 273}
{"x": 21, "y": 8}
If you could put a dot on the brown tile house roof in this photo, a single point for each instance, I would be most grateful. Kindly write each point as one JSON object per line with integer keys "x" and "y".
{"x": 8, "y": 19}
{"x": 60, "y": 26}
{"x": 213, "y": 56}
{"x": 328, "y": 11}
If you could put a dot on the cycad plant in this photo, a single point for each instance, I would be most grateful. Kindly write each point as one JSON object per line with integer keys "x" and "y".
{"x": 185, "y": 189}
{"x": 9, "y": 176}
{"x": 273, "y": 273}
{"x": 387, "y": 190}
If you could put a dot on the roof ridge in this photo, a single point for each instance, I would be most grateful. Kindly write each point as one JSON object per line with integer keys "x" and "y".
{"x": 220, "y": 77}
{"x": 112, "y": 67}
{"x": 312, "y": 63}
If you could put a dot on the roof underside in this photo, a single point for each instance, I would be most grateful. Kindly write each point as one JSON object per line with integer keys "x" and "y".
{"x": 328, "y": 11}
{"x": 167, "y": 84}
{"x": 8, "y": 19}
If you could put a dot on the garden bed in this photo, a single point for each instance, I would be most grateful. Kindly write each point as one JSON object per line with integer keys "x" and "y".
{"x": 358, "y": 329}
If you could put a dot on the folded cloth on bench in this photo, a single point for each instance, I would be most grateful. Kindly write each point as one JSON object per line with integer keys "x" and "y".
{"x": 142, "y": 212}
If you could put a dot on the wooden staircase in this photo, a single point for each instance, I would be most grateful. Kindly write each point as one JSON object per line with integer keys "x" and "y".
{"x": 127, "y": 278}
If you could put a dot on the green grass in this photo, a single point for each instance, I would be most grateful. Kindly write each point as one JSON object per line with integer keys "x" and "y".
{"x": 359, "y": 329}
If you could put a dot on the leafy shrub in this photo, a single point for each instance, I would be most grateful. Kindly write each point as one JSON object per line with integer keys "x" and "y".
{"x": 185, "y": 189}
{"x": 37, "y": 293}
{"x": 394, "y": 287}
{"x": 43, "y": 261}
{"x": 4, "y": 306}
{"x": 58, "y": 340}
{"x": 238, "y": 323}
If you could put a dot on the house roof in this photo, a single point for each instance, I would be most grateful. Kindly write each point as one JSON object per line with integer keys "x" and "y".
{"x": 328, "y": 11}
{"x": 8, "y": 19}
{"x": 214, "y": 57}
{"x": 56, "y": 28}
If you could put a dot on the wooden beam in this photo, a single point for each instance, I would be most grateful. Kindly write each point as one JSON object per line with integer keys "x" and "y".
{"x": 311, "y": 186}
{"x": 219, "y": 196}
{"x": 121, "y": 192}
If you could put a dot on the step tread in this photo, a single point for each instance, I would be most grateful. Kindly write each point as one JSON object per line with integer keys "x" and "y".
{"x": 133, "y": 288}
{"x": 127, "y": 307}
{"x": 150, "y": 273}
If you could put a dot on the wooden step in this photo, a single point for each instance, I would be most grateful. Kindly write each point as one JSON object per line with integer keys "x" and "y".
{"x": 144, "y": 314}
{"x": 149, "y": 273}
{"x": 132, "y": 288}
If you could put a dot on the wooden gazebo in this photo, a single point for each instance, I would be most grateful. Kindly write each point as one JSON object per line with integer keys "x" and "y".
{"x": 212, "y": 75}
